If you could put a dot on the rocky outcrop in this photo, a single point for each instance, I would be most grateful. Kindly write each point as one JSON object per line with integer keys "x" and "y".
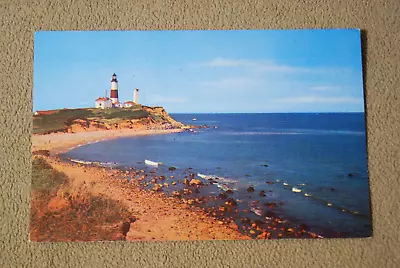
{"x": 147, "y": 117}
{"x": 160, "y": 115}
{"x": 196, "y": 182}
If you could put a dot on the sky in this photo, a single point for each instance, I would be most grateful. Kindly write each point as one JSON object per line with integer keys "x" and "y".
{"x": 241, "y": 71}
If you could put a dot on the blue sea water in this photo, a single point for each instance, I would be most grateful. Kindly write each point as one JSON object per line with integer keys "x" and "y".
{"x": 323, "y": 155}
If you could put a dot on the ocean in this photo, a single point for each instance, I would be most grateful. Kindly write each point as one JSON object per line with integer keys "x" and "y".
{"x": 313, "y": 166}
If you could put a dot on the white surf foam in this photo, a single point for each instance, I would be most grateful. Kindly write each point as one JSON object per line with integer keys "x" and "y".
{"x": 217, "y": 178}
{"x": 151, "y": 163}
{"x": 81, "y": 162}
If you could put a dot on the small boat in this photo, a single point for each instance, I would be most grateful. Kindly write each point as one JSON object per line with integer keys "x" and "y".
{"x": 151, "y": 163}
{"x": 296, "y": 190}
{"x": 194, "y": 119}
{"x": 285, "y": 184}
{"x": 307, "y": 195}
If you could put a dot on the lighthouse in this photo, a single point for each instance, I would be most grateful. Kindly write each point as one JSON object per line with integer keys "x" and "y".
{"x": 136, "y": 96}
{"x": 114, "y": 89}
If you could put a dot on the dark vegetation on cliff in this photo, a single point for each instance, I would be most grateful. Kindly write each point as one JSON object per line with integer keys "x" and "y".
{"x": 58, "y": 214}
{"x": 64, "y": 120}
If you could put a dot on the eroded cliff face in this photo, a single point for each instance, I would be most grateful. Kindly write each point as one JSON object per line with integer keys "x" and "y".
{"x": 93, "y": 120}
{"x": 160, "y": 115}
{"x": 158, "y": 118}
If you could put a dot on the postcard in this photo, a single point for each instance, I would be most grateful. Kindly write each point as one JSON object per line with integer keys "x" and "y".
{"x": 198, "y": 135}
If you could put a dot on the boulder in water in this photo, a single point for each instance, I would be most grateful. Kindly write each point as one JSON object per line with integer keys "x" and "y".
{"x": 231, "y": 202}
{"x": 223, "y": 195}
{"x": 270, "y": 214}
{"x": 196, "y": 182}
{"x": 250, "y": 189}
{"x": 245, "y": 220}
{"x": 264, "y": 235}
{"x": 270, "y": 204}
{"x": 157, "y": 188}
{"x": 176, "y": 193}
{"x": 304, "y": 227}
{"x": 187, "y": 191}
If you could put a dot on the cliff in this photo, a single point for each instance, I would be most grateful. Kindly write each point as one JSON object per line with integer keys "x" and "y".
{"x": 92, "y": 119}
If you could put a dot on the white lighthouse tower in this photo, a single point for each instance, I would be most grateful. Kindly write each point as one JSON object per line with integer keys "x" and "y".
{"x": 136, "y": 96}
{"x": 114, "y": 89}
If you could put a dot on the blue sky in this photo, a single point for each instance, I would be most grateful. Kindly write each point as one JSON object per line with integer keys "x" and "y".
{"x": 202, "y": 71}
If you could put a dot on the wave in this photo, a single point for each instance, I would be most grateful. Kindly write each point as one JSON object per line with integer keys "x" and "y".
{"x": 250, "y": 133}
{"x": 151, "y": 163}
{"x": 217, "y": 178}
{"x": 107, "y": 164}
{"x": 97, "y": 163}
{"x": 81, "y": 162}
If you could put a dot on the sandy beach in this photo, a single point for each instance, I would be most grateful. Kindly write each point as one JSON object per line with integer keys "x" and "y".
{"x": 157, "y": 216}
{"x": 62, "y": 142}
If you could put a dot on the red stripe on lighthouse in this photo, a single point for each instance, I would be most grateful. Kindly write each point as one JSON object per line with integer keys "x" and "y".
{"x": 114, "y": 94}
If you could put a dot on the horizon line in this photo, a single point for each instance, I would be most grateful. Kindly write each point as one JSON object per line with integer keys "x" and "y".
{"x": 267, "y": 112}
{"x": 331, "y": 112}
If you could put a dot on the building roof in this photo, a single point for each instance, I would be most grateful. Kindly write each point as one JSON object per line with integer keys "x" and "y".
{"x": 129, "y": 102}
{"x": 102, "y": 99}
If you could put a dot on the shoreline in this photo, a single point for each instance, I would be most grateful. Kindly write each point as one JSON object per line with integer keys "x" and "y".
{"x": 147, "y": 189}
{"x": 159, "y": 217}
{"x": 58, "y": 143}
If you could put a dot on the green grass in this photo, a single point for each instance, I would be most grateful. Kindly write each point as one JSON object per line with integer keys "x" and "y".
{"x": 85, "y": 217}
{"x": 125, "y": 114}
{"x": 62, "y": 119}
{"x": 46, "y": 180}
{"x": 59, "y": 121}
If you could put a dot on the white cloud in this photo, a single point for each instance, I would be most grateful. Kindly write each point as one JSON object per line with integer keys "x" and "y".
{"x": 270, "y": 66}
{"x": 318, "y": 99}
{"x": 221, "y": 62}
{"x": 325, "y": 88}
{"x": 233, "y": 83}
{"x": 161, "y": 99}
{"x": 258, "y": 65}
